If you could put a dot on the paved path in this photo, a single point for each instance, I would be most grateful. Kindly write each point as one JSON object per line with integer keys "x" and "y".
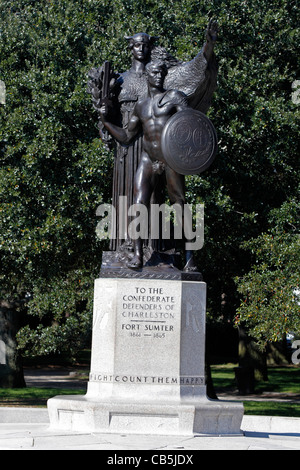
{"x": 28, "y": 429}
{"x": 54, "y": 377}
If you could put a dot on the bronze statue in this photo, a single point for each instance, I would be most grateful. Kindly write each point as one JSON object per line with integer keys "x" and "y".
{"x": 150, "y": 115}
{"x": 126, "y": 89}
{"x": 194, "y": 82}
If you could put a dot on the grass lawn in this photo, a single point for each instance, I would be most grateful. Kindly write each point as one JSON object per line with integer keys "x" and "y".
{"x": 281, "y": 379}
{"x": 283, "y": 384}
{"x": 33, "y": 396}
{"x": 272, "y": 408}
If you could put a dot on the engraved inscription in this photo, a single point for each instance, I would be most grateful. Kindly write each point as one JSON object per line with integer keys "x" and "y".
{"x": 146, "y": 379}
{"x": 147, "y": 312}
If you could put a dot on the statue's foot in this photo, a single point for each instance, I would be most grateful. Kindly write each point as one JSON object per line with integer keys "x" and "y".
{"x": 190, "y": 266}
{"x": 135, "y": 263}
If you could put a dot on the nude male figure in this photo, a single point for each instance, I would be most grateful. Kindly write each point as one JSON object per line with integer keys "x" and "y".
{"x": 150, "y": 115}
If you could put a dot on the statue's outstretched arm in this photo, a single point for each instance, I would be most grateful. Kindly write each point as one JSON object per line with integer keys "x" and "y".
{"x": 197, "y": 78}
{"x": 123, "y": 135}
{"x": 211, "y": 38}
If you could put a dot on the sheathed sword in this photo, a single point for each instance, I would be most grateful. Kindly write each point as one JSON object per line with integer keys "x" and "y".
{"x": 106, "y": 75}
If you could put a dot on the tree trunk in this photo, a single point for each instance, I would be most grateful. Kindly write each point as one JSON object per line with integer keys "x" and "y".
{"x": 11, "y": 370}
{"x": 252, "y": 364}
{"x": 210, "y": 389}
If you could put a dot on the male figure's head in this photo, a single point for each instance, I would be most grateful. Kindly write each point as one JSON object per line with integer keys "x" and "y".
{"x": 156, "y": 72}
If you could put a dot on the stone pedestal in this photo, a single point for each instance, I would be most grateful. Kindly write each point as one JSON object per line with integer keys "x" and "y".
{"x": 147, "y": 367}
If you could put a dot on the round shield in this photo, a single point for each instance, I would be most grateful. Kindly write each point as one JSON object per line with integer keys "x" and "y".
{"x": 189, "y": 142}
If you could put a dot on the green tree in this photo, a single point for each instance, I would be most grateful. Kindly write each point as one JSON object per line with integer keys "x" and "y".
{"x": 54, "y": 171}
{"x": 271, "y": 297}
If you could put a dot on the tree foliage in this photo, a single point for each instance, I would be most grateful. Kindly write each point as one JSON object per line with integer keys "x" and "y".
{"x": 271, "y": 295}
{"x": 54, "y": 171}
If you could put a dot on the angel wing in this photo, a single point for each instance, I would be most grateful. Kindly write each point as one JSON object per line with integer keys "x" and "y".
{"x": 196, "y": 78}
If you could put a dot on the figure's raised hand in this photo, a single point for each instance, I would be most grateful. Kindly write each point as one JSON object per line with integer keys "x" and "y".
{"x": 212, "y": 31}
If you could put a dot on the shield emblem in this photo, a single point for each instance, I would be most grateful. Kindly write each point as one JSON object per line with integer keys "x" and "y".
{"x": 189, "y": 142}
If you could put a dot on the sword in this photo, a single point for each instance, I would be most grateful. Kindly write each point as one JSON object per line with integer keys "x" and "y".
{"x": 106, "y": 75}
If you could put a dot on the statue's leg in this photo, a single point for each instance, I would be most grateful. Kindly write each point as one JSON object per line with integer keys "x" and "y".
{"x": 143, "y": 186}
{"x": 176, "y": 191}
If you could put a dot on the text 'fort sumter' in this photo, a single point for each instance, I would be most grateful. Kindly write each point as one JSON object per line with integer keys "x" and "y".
{"x": 148, "y": 312}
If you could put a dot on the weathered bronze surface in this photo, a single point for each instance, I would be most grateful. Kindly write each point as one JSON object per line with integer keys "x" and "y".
{"x": 195, "y": 82}
{"x": 189, "y": 142}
